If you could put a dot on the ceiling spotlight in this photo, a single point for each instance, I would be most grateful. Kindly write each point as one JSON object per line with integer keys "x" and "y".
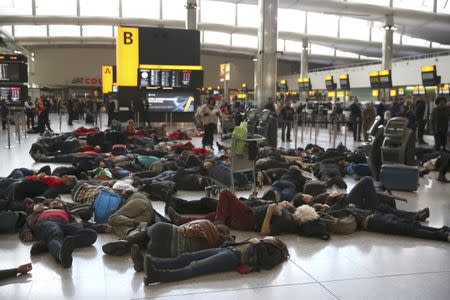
{"x": 390, "y": 27}
{"x": 17, "y": 52}
{"x": 255, "y": 59}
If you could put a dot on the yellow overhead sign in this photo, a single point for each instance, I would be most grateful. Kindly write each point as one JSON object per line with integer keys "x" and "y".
{"x": 393, "y": 93}
{"x": 244, "y": 85}
{"x": 329, "y": 77}
{"x": 375, "y": 93}
{"x": 107, "y": 79}
{"x": 340, "y": 93}
{"x": 431, "y": 68}
{"x": 331, "y": 94}
{"x": 127, "y": 56}
{"x": 303, "y": 79}
{"x": 374, "y": 74}
{"x": 384, "y": 72}
{"x": 343, "y": 76}
{"x": 283, "y": 81}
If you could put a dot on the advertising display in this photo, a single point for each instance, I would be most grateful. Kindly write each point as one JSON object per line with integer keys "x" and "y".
{"x": 385, "y": 78}
{"x": 284, "y": 86}
{"x": 160, "y": 101}
{"x": 10, "y": 93}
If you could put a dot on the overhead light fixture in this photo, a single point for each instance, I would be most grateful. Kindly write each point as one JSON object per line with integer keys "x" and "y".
{"x": 17, "y": 52}
{"x": 255, "y": 59}
{"x": 390, "y": 27}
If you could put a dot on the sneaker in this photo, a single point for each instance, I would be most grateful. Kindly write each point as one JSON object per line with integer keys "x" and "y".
{"x": 65, "y": 254}
{"x": 38, "y": 248}
{"x": 45, "y": 169}
{"x": 423, "y": 215}
{"x": 150, "y": 271}
{"x": 117, "y": 248}
{"x": 174, "y": 216}
{"x": 137, "y": 257}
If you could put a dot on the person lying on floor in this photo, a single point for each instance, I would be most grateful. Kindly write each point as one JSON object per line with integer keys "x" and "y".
{"x": 356, "y": 170}
{"x": 260, "y": 216}
{"x": 287, "y": 186}
{"x": 19, "y": 173}
{"x": 163, "y": 239}
{"x": 12, "y": 273}
{"x": 386, "y": 219}
{"x": 440, "y": 163}
{"x": 242, "y": 257}
{"x": 330, "y": 172}
{"x": 184, "y": 179}
{"x": 363, "y": 195}
{"x": 221, "y": 171}
{"x": 58, "y": 229}
{"x": 66, "y": 157}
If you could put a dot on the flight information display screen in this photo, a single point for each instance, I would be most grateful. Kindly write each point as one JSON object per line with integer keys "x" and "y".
{"x": 170, "y": 79}
{"x": 160, "y": 101}
{"x": 10, "y": 93}
{"x": 10, "y": 72}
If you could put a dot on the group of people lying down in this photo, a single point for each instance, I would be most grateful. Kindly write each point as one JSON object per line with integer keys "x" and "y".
{"x": 112, "y": 192}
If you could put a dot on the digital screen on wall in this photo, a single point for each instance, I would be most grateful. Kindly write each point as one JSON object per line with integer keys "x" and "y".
{"x": 329, "y": 84}
{"x": 161, "y": 101}
{"x": 10, "y": 72}
{"x": 345, "y": 84}
{"x": 374, "y": 82}
{"x": 428, "y": 76}
{"x": 10, "y": 93}
{"x": 170, "y": 79}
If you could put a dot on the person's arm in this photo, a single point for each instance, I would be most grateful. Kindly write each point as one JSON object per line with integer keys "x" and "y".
{"x": 265, "y": 228}
{"x": 4, "y": 274}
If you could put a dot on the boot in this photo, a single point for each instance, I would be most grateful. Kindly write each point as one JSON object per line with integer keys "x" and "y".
{"x": 137, "y": 237}
{"x": 423, "y": 215}
{"x": 117, "y": 248}
{"x": 174, "y": 216}
{"x": 138, "y": 258}
{"x": 151, "y": 274}
{"x": 65, "y": 254}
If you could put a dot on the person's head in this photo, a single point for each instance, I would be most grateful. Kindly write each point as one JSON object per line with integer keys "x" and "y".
{"x": 271, "y": 100}
{"x": 131, "y": 123}
{"x": 69, "y": 180}
{"x": 344, "y": 163}
{"x": 309, "y": 222}
{"x": 286, "y": 205}
{"x": 301, "y": 199}
{"x": 355, "y": 99}
{"x": 57, "y": 204}
{"x": 211, "y": 101}
{"x": 28, "y": 205}
{"x": 441, "y": 101}
{"x": 408, "y": 103}
{"x": 207, "y": 165}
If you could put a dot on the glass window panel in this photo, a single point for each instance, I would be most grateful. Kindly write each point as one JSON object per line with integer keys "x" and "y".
{"x": 407, "y": 40}
{"x": 377, "y": 33}
{"x": 215, "y": 37}
{"x": 322, "y": 50}
{"x": 356, "y": 29}
{"x": 293, "y": 46}
{"x": 244, "y": 40}
{"x": 56, "y": 8}
{"x": 217, "y": 12}
{"x": 64, "y": 30}
{"x": 397, "y": 37}
{"x": 422, "y": 5}
{"x": 30, "y": 30}
{"x": 369, "y": 57}
{"x": 372, "y": 2}
{"x": 291, "y": 20}
{"x": 174, "y": 10}
{"x": 346, "y": 54}
{"x": 6, "y": 29}
{"x": 248, "y": 15}
{"x": 15, "y": 7}
{"x": 443, "y": 7}
{"x": 280, "y": 45}
{"x": 148, "y": 9}
{"x": 322, "y": 24}
{"x": 97, "y": 30}
{"x": 440, "y": 46}
{"x": 99, "y": 8}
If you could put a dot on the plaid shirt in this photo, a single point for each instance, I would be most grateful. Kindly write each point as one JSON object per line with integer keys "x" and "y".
{"x": 86, "y": 193}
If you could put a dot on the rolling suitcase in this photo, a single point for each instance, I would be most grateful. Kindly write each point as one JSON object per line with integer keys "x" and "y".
{"x": 399, "y": 177}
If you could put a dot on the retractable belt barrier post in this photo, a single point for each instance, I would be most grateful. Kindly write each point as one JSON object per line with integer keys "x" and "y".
{"x": 170, "y": 119}
{"x": 295, "y": 129}
{"x": 60, "y": 122}
{"x": 100, "y": 120}
{"x": 358, "y": 129}
{"x": 330, "y": 128}
{"x": 316, "y": 132}
{"x": 334, "y": 134}
{"x": 8, "y": 128}
{"x": 345, "y": 134}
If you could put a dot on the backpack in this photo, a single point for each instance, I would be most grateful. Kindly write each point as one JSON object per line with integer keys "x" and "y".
{"x": 314, "y": 187}
{"x": 105, "y": 204}
{"x": 239, "y": 132}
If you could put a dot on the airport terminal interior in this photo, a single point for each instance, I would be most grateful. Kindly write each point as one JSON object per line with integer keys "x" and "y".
{"x": 231, "y": 149}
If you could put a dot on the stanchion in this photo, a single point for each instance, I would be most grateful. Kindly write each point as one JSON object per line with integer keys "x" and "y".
{"x": 295, "y": 129}
{"x": 165, "y": 117}
{"x": 334, "y": 135}
{"x": 170, "y": 119}
{"x": 100, "y": 119}
{"x": 345, "y": 134}
{"x": 60, "y": 122}
{"x": 138, "y": 119}
{"x": 17, "y": 127}
{"x": 330, "y": 128}
{"x": 310, "y": 128}
{"x": 8, "y": 128}
{"x": 316, "y": 133}
{"x": 358, "y": 130}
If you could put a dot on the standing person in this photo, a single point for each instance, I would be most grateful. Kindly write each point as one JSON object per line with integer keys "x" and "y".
{"x": 111, "y": 110}
{"x": 381, "y": 108}
{"x": 41, "y": 115}
{"x": 355, "y": 119}
{"x": 132, "y": 111}
{"x": 70, "y": 111}
{"x": 4, "y": 112}
{"x": 439, "y": 123}
{"x": 271, "y": 105}
{"x": 47, "y": 108}
{"x": 208, "y": 115}
{"x": 29, "y": 112}
{"x": 368, "y": 116}
{"x": 287, "y": 115}
{"x": 421, "y": 119}
{"x": 408, "y": 113}
{"x": 396, "y": 107}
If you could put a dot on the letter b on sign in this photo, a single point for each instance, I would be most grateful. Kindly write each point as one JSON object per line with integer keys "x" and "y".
{"x": 127, "y": 38}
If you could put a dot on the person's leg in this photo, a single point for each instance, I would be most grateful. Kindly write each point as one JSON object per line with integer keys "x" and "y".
{"x": 82, "y": 237}
{"x": 283, "y": 130}
{"x": 200, "y": 263}
{"x": 233, "y": 212}
{"x": 404, "y": 215}
{"x": 363, "y": 195}
{"x": 288, "y": 133}
{"x": 15, "y": 174}
{"x": 203, "y": 206}
{"x": 60, "y": 248}
{"x": 184, "y": 259}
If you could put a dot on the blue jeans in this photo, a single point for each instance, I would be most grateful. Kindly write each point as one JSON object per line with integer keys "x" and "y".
{"x": 286, "y": 188}
{"x": 189, "y": 265}
{"x": 20, "y": 173}
{"x": 358, "y": 169}
{"x": 53, "y": 233}
{"x": 363, "y": 195}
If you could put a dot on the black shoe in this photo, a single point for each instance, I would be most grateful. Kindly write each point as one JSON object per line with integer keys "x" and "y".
{"x": 282, "y": 140}
{"x": 443, "y": 179}
{"x": 118, "y": 248}
{"x": 38, "y": 248}
{"x": 150, "y": 271}
{"x": 336, "y": 181}
{"x": 423, "y": 215}
{"x": 174, "y": 216}
{"x": 289, "y": 141}
{"x": 137, "y": 257}
{"x": 169, "y": 203}
{"x": 65, "y": 254}
{"x": 45, "y": 169}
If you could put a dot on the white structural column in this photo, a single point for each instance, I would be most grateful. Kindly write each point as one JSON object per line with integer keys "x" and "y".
{"x": 304, "y": 59}
{"x": 266, "y": 66}
{"x": 388, "y": 43}
{"x": 191, "y": 14}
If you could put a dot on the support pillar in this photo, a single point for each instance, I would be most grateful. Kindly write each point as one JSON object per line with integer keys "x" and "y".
{"x": 388, "y": 43}
{"x": 191, "y": 16}
{"x": 304, "y": 65}
{"x": 266, "y": 66}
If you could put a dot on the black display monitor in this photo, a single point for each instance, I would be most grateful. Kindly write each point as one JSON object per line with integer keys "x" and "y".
{"x": 304, "y": 86}
{"x": 345, "y": 84}
{"x": 385, "y": 81}
{"x": 11, "y": 94}
{"x": 170, "y": 79}
{"x": 330, "y": 85}
{"x": 374, "y": 82}
{"x": 173, "y": 101}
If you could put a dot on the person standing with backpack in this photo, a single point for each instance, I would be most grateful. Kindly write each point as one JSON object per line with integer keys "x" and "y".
{"x": 251, "y": 255}
{"x": 208, "y": 114}
{"x": 29, "y": 112}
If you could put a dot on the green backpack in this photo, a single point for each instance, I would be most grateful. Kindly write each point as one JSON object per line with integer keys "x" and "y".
{"x": 241, "y": 133}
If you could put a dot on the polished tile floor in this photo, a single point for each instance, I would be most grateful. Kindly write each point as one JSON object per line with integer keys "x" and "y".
{"x": 359, "y": 266}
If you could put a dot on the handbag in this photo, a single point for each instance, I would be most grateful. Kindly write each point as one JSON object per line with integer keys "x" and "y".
{"x": 340, "y": 225}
